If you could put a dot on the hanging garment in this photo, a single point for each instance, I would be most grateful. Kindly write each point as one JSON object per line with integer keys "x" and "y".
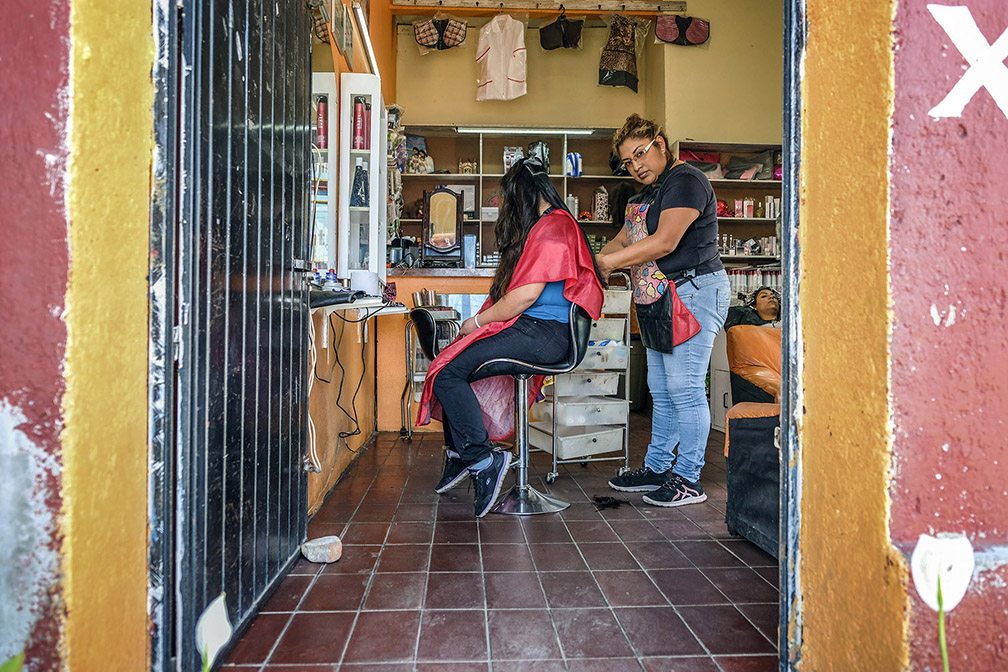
{"x": 554, "y": 250}
{"x": 439, "y": 33}
{"x": 563, "y": 32}
{"x": 684, "y": 30}
{"x": 618, "y": 65}
{"x": 501, "y": 55}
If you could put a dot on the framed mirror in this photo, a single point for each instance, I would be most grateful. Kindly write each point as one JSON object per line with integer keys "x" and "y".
{"x": 442, "y": 228}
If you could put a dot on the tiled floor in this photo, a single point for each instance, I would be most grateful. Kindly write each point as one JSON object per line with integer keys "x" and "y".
{"x": 423, "y": 586}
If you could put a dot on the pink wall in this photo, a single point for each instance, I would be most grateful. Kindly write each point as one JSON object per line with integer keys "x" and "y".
{"x": 35, "y": 53}
{"x": 950, "y": 335}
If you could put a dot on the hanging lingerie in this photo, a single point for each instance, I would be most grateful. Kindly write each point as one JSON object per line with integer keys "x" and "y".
{"x": 563, "y": 32}
{"x": 437, "y": 33}
{"x": 684, "y": 30}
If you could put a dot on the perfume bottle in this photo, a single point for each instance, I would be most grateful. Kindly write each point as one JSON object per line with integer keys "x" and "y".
{"x": 359, "y": 187}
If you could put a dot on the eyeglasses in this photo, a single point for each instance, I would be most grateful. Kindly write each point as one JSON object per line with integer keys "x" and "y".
{"x": 638, "y": 155}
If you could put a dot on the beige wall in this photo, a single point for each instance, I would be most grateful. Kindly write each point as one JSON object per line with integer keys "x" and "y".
{"x": 728, "y": 90}
{"x": 563, "y": 89}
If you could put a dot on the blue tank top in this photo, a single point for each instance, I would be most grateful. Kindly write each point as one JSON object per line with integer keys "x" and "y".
{"x": 551, "y": 304}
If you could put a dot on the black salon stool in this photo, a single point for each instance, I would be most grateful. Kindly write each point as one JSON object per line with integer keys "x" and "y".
{"x": 523, "y": 499}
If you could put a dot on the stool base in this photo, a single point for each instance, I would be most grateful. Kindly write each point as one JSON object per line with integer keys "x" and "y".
{"x": 519, "y": 502}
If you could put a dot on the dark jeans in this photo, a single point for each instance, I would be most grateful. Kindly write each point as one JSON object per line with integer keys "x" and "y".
{"x": 529, "y": 339}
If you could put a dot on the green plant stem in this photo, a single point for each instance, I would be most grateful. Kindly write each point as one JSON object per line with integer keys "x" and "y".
{"x": 941, "y": 628}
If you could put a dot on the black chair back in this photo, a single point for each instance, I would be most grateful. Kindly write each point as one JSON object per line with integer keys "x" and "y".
{"x": 426, "y": 332}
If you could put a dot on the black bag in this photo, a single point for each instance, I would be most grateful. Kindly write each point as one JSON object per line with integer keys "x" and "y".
{"x": 655, "y": 322}
{"x": 561, "y": 33}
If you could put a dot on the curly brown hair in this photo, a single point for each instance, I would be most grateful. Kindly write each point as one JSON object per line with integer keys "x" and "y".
{"x": 636, "y": 126}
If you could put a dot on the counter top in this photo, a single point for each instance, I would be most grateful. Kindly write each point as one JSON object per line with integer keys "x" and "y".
{"x": 442, "y": 272}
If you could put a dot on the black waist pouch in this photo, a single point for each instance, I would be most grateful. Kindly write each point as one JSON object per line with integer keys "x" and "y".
{"x": 655, "y": 322}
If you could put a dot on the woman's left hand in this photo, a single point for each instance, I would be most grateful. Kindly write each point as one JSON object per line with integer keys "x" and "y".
{"x": 467, "y": 327}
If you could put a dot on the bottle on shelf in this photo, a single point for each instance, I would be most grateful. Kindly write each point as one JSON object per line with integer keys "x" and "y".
{"x": 322, "y": 123}
{"x": 367, "y": 126}
{"x": 359, "y": 190}
{"x": 358, "y": 124}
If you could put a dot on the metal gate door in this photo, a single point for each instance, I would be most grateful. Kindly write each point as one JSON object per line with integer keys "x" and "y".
{"x": 241, "y": 166}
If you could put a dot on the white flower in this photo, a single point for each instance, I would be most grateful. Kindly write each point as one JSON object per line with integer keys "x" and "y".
{"x": 949, "y": 556}
{"x": 213, "y": 630}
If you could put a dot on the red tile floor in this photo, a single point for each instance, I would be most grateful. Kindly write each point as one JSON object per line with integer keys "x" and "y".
{"x": 422, "y": 585}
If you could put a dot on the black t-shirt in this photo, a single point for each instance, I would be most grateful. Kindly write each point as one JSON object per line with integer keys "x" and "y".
{"x": 684, "y": 186}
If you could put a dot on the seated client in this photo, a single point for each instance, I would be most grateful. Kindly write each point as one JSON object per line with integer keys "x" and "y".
{"x": 762, "y": 309}
{"x": 545, "y": 265}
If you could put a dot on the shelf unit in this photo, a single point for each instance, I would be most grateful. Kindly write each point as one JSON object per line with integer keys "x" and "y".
{"x": 362, "y": 226}
{"x": 325, "y": 164}
{"x": 583, "y": 414}
{"x": 447, "y": 146}
{"x": 740, "y": 228}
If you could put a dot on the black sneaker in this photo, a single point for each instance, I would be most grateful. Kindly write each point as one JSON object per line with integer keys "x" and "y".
{"x": 677, "y": 492}
{"x": 640, "y": 480}
{"x": 454, "y": 472}
{"x": 488, "y": 482}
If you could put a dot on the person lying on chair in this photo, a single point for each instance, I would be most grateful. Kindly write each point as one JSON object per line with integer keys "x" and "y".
{"x": 545, "y": 265}
{"x": 762, "y": 309}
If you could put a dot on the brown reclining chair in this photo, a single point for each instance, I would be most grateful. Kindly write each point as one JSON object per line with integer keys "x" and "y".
{"x": 753, "y": 478}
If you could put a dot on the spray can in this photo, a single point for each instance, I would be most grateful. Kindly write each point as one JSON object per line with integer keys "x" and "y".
{"x": 322, "y": 124}
{"x": 358, "y": 124}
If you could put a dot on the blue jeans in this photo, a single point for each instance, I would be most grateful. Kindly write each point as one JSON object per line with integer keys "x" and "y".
{"x": 677, "y": 381}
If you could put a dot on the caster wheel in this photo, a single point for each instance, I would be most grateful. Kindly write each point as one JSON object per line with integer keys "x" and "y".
{"x": 622, "y": 470}
{"x": 550, "y": 478}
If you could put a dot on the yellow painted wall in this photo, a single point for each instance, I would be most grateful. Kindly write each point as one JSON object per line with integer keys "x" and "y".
{"x": 730, "y": 88}
{"x": 105, "y": 406}
{"x": 853, "y": 579}
{"x": 563, "y": 89}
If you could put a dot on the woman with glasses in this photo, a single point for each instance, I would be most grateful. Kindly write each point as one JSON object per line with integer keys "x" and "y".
{"x": 545, "y": 266}
{"x": 681, "y": 294}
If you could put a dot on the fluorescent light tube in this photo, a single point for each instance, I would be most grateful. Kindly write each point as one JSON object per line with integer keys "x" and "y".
{"x": 366, "y": 36}
{"x": 526, "y": 131}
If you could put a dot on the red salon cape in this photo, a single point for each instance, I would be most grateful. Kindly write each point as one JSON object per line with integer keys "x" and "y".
{"x": 555, "y": 250}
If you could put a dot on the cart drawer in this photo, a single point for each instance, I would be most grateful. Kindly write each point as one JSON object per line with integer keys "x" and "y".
{"x": 586, "y": 411}
{"x": 605, "y": 357}
{"x": 576, "y": 441}
{"x": 573, "y": 384}
{"x": 616, "y": 300}
{"x": 608, "y": 329}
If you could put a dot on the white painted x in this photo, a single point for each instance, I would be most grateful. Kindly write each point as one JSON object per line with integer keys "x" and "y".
{"x": 987, "y": 68}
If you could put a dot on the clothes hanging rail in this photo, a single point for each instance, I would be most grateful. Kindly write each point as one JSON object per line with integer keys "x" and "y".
{"x": 573, "y": 6}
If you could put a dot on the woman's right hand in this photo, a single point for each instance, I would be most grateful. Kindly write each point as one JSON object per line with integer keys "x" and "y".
{"x": 467, "y": 327}
{"x": 604, "y": 267}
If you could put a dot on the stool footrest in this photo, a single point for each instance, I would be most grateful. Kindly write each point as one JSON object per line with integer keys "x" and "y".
{"x": 527, "y": 501}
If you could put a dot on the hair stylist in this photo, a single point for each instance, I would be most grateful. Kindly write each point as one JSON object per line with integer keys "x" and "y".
{"x": 681, "y": 292}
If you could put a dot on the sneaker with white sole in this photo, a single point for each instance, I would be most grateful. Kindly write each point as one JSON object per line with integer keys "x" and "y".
{"x": 639, "y": 480}
{"x": 677, "y": 491}
{"x": 453, "y": 473}
{"x": 488, "y": 482}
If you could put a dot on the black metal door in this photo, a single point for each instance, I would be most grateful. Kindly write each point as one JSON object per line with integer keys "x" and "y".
{"x": 241, "y": 166}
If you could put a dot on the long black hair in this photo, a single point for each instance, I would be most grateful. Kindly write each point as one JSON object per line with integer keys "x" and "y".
{"x": 522, "y": 186}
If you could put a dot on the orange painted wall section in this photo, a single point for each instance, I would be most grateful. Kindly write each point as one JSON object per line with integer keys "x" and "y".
{"x": 853, "y": 579}
{"x": 105, "y": 406}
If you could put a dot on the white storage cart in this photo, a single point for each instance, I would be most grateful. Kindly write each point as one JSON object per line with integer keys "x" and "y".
{"x": 582, "y": 418}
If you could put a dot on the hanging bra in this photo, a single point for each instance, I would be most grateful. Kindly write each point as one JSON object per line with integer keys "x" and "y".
{"x": 684, "y": 30}
{"x": 563, "y": 32}
{"x": 439, "y": 33}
